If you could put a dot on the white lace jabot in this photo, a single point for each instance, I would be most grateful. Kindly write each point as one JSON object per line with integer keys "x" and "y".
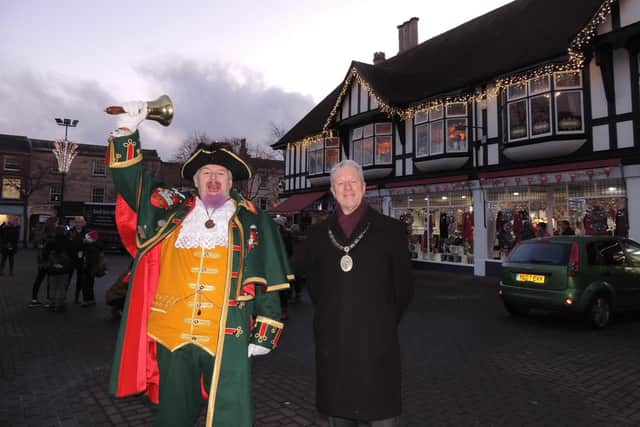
{"x": 193, "y": 233}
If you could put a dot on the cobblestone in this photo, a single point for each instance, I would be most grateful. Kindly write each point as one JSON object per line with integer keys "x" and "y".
{"x": 465, "y": 363}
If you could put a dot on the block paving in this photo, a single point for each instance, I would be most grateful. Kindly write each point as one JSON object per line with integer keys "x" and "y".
{"x": 465, "y": 362}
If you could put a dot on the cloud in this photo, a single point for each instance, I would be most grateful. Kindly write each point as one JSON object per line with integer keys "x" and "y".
{"x": 223, "y": 101}
{"x": 217, "y": 99}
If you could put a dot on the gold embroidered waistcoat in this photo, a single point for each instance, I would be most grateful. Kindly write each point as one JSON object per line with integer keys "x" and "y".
{"x": 187, "y": 306}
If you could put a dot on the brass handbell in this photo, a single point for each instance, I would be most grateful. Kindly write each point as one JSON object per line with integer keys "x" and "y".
{"x": 159, "y": 110}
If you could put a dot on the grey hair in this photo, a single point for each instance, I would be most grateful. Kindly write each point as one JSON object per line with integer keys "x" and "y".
{"x": 344, "y": 163}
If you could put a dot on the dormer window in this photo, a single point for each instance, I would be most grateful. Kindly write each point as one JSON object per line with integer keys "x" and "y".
{"x": 542, "y": 105}
{"x": 441, "y": 129}
{"x": 371, "y": 144}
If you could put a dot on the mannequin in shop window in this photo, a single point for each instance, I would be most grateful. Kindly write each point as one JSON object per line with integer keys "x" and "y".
{"x": 622, "y": 224}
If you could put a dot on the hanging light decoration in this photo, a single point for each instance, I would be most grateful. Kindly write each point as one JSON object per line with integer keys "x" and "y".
{"x": 575, "y": 62}
{"x": 64, "y": 151}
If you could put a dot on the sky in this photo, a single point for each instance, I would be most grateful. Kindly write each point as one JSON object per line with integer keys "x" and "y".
{"x": 233, "y": 69}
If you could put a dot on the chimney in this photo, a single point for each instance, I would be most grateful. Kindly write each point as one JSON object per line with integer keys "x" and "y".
{"x": 408, "y": 34}
{"x": 244, "y": 152}
{"x": 378, "y": 58}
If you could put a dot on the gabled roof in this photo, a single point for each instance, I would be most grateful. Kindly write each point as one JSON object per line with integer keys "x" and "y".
{"x": 503, "y": 42}
{"x": 14, "y": 144}
{"x": 515, "y": 36}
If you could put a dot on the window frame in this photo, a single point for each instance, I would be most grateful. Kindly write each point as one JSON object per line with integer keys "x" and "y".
{"x": 95, "y": 199}
{"x": 55, "y": 189}
{"x": 440, "y": 117}
{"x": 557, "y": 116}
{"x": 552, "y": 88}
{"x": 101, "y": 170}
{"x": 367, "y": 140}
{"x": 6, "y": 182}
{"x": 15, "y": 160}
{"x": 318, "y": 152}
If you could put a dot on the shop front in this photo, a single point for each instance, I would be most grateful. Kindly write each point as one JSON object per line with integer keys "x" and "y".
{"x": 590, "y": 201}
{"x": 439, "y": 220}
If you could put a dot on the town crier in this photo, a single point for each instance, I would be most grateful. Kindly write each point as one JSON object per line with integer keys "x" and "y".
{"x": 203, "y": 295}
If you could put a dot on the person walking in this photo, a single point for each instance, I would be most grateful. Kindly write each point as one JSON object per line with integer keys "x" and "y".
{"x": 41, "y": 273}
{"x": 10, "y": 234}
{"x": 58, "y": 254}
{"x": 91, "y": 250}
{"x": 203, "y": 294}
{"x": 76, "y": 236}
{"x": 358, "y": 275}
{"x": 48, "y": 234}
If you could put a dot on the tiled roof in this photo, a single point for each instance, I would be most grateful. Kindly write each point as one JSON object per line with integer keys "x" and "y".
{"x": 14, "y": 144}
{"x": 86, "y": 149}
{"x": 516, "y": 36}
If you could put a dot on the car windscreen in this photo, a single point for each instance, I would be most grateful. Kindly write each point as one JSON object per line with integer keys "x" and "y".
{"x": 551, "y": 253}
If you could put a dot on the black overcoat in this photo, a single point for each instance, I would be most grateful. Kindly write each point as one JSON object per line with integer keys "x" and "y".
{"x": 356, "y": 315}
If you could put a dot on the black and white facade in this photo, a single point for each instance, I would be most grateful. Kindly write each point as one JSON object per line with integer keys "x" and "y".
{"x": 527, "y": 115}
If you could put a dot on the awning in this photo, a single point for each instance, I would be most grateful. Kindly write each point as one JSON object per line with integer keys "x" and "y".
{"x": 296, "y": 203}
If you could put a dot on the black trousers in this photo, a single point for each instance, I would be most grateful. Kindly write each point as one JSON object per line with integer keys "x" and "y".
{"x": 77, "y": 268}
{"x": 87, "y": 287}
{"x": 7, "y": 255}
{"x": 42, "y": 273}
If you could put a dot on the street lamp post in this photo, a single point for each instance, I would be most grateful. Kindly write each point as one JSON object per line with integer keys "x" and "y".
{"x": 64, "y": 151}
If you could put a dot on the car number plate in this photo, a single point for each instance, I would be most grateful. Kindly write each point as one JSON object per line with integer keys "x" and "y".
{"x": 535, "y": 278}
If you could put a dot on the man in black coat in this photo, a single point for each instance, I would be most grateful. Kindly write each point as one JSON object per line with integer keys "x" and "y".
{"x": 9, "y": 236}
{"x": 359, "y": 278}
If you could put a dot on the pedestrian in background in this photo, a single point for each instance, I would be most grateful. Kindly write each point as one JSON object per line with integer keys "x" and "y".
{"x": 9, "y": 236}
{"x": 287, "y": 239}
{"x": 359, "y": 278}
{"x": 92, "y": 248}
{"x": 48, "y": 234}
{"x": 58, "y": 253}
{"x": 76, "y": 236}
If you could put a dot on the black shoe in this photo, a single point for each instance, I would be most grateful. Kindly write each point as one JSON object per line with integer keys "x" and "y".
{"x": 88, "y": 304}
{"x": 35, "y": 303}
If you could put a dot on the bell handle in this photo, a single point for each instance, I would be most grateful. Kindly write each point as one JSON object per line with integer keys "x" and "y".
{"x": 114, "y": 109}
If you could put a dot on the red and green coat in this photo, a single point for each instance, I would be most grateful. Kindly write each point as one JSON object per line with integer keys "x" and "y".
{"x": 147, "y": 211}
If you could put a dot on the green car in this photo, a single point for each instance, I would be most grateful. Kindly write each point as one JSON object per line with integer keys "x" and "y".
{"x": 591, "y": 275}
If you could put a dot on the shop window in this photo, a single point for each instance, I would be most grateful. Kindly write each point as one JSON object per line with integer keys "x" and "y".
{"x": 517, "y": 213}
{"x": 531, "y": 113}
{"x": 440, "y": 225}
{"x": 98, "y": 168}
{"x": 322, "y": 155}
{"x": 97, "y": 194}
{"x": 372, "y": 144}
{"x": 11, "y": 188}
{"x": 429, "y": 130}
{"x": 11, "y": 164}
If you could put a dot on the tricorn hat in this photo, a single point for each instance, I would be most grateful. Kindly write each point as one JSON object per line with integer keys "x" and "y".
{"x": 216, "y": 154}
